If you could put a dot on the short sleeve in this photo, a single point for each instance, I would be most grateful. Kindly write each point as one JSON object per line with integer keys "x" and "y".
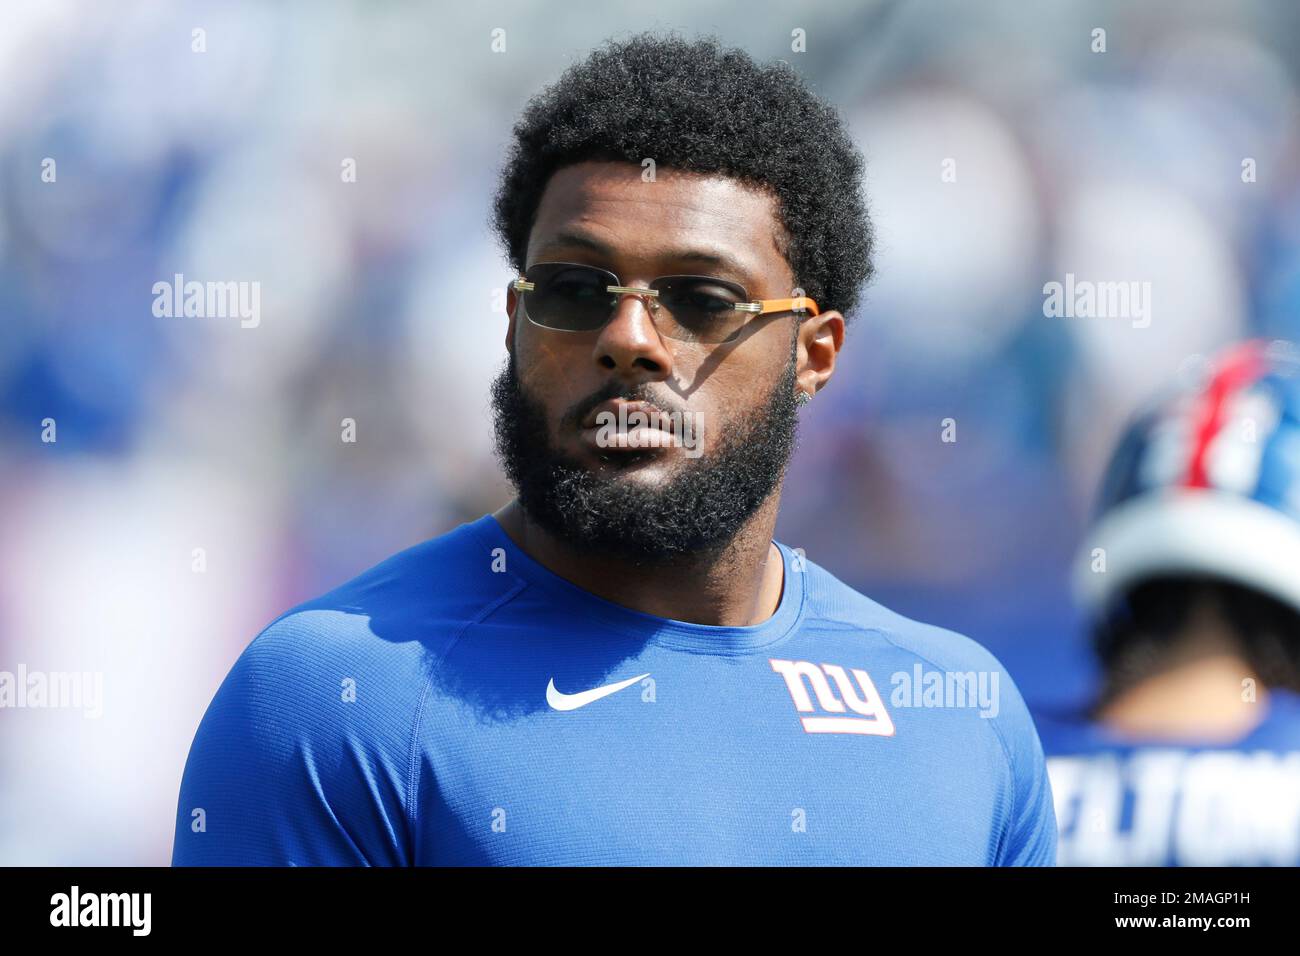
{"x": 1030, "y": 835}
{"x": 302, "y": 758}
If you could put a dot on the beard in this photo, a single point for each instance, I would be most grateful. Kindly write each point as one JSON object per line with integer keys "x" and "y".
{"x": 696, "y": 511}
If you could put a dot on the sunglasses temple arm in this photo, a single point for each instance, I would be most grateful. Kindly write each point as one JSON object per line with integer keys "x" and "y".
{"x": 800, "y": 304}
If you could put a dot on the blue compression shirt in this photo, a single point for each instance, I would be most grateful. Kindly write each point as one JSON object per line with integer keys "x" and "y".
{"x": 460, "y": 704}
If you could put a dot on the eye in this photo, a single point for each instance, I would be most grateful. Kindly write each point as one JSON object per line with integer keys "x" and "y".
{"x": 575, "y": 284}
{"x": 704, "y": 297}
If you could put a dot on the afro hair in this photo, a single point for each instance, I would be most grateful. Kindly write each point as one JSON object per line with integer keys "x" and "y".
{"x": 694, "y": 106}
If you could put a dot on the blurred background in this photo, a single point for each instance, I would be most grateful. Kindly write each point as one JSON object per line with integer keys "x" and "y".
{"x": 382, "y": 301}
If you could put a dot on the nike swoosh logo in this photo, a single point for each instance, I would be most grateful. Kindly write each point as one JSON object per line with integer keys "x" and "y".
{"x": 560, "y": 701}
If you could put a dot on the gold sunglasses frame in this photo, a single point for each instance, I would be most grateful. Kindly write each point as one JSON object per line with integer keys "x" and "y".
{"x": 801, "y": 304}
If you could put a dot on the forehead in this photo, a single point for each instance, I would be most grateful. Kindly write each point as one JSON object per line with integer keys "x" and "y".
{"x": 605, "y": 210}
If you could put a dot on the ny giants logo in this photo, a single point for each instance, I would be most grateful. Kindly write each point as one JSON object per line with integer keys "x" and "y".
{"x": 800, "y": 675}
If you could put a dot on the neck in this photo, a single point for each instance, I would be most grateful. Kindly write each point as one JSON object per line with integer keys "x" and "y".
{"x": 1199, "y": 698}
{"x": 737, "y": 587}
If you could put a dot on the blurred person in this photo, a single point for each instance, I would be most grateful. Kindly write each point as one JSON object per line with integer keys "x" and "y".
{"x": 621, "y": 666}
{"x": 1190, "y": 753}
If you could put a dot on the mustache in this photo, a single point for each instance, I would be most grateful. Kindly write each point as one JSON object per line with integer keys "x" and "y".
{"x": 665, "y": 402}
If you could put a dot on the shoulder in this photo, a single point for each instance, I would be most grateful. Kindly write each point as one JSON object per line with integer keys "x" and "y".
{"x": 411, "y": 604}
{"x": 941, "y": 656}
{"x": 306, "y": 753}
{"x": 952, "y": 664}
{"x": 832, "y": 601}
{"x": 1283, "y": 708}
{"x": 374, "y": 639}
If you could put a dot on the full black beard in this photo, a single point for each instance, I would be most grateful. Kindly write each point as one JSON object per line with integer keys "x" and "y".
{"x": 699, "y": 509}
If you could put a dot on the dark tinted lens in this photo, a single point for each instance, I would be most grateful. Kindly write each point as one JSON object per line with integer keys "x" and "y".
{"x": 701, "y": 308}
{"x": 570, "y": 297}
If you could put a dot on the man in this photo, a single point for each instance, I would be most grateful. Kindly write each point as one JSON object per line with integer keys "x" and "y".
{"x": 1190, "y": 755}
{"x": 621, "y": 666}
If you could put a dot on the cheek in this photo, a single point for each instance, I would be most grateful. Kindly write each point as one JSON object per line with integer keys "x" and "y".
{"x": 720, "y": 409}
{"x": 547, "y": 374}
{"x": 559, "y": 356}
{"x": 733, "y": 394}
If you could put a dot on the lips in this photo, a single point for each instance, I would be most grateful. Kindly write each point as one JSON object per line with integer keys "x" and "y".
{"x": 623, "y": 427}
{"x": 652, "y": 413}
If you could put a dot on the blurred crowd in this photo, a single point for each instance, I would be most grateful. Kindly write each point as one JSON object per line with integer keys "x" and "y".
{"x": 198, "y": 484}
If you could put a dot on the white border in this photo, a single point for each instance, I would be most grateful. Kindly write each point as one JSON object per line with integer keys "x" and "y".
{"x": 1191, "y": 531}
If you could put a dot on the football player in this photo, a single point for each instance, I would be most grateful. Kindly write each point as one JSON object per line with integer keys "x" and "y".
{"x": 621, "y": 666}
{"x": 1190, "y": 753}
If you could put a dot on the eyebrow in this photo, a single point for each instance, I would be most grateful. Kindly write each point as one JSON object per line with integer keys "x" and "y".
{"x": 713, "y": 259}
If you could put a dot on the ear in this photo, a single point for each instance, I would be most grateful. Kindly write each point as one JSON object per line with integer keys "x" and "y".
{"x": 820, "y": 339}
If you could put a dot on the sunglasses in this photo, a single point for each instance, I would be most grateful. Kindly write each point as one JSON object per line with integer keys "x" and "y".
{"x": 571, "y": 297}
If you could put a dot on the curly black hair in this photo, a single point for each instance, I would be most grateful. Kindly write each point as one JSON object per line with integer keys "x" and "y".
{"x": 693, "y": 105}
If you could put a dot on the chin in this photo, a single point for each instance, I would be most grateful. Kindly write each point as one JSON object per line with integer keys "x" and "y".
{"x": 643, "y": 465}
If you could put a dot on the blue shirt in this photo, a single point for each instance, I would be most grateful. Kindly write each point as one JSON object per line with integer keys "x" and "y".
{"x": 1144, "y": 802}
{"x": 459, "y": 703}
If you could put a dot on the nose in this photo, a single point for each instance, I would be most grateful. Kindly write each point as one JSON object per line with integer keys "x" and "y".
{"x": 630, "y": 345}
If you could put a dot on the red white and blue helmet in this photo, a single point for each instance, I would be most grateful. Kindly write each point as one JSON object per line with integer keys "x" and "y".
{"x": 1206, "y": 482}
